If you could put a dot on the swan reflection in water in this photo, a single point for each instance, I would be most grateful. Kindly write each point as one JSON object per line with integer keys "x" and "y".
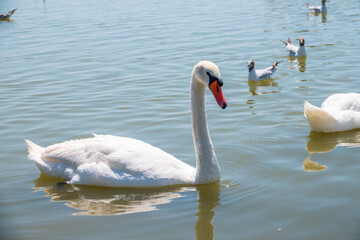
{"x": 254, "y": 85}
{"x": 100, "y": 201}
{"x": 208, "y": 199}
{"x": 326, "y": 142}
{"x": 300, "y": 63}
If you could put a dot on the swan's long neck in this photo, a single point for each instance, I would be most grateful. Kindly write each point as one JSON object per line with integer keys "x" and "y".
{"x": 207, "y": 167}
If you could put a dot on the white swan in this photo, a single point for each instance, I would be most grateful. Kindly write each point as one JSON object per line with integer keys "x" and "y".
{"x": 295, "y": 51}
{"x": 258, "y": 75}
{"x": 339, "y": 112}
{"x": 106, "y": 160}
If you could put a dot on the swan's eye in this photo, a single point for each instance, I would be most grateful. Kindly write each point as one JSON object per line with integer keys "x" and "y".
{"x": 212, "y": 78}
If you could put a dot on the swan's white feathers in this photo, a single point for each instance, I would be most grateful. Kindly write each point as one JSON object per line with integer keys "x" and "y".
{"x": 112, "y": 161}
{"x": 105, "y": 160}
{"x": 342, "y": 101}
{"x": 319, "y": 119}
{"x": 339, "y": 112}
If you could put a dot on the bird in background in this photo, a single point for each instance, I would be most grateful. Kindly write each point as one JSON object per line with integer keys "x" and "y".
{"x": 321, "y": 8}
{"x": 295, "y": 51}
{"x": 258, "y": 75}
{"x": 6, "y": 16}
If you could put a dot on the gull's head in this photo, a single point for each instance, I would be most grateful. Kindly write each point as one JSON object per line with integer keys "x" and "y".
{"x": 208, "y": 73}
{"x": 251, "y": 64}
{"x": 302, "y": 41}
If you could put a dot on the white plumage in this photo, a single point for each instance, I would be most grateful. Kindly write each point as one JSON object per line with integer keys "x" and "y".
{"x": 295, "y": 51}
{"x": 262, "y": 74}
{"x": 106, "y": 160}
{"x": 321, "y": 8}
{"x": 339, "y": 112}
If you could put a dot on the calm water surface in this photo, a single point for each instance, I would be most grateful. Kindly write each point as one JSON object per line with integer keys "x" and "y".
{"x": 72, "y": 68}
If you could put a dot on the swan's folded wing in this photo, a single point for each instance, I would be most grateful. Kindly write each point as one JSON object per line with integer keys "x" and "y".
{"x": 138, "y": 157}
{"x": 123, "y": 156}
{"x": 74, "y": 153}
{"x": 342, "y": 102}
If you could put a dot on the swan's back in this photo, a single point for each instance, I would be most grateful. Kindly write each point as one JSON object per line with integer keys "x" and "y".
{"x": 342, "y": 102}
{"x": 111, "y": 161}
{"x": 339, "y": 112}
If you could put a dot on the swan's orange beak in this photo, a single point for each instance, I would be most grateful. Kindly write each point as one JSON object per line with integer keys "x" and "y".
{"x": 216, "y": 90}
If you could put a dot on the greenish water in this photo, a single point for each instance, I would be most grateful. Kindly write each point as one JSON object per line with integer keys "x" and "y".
{"x": 72, "y": 68}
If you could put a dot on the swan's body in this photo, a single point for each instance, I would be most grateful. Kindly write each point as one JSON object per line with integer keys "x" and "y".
{"x": 258, "y": 75}
{"x": 6, "y": 16}
{"x": 321, "y": 8}
{"x": 106, "y": 160}
{"x": 295, "y": 51}
{"x": 339, "y": 112}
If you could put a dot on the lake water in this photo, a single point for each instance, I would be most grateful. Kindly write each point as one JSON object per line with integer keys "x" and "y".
{"x": 72, "y": 68}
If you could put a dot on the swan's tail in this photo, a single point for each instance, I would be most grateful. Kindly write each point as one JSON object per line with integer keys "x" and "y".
{"x": 49, "y": 168}
{"x": 319, "y": 119}
{"x": 34, "y": 150}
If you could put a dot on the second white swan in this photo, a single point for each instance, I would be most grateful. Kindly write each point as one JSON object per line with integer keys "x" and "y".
{"x": 339, "y": 112}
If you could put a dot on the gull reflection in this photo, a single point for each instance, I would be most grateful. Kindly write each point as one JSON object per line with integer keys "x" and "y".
{"x": 300, "y": 63}
{"x": 255, "y": 90}
{"x": 90, "y": 200}
{"x": 322, "y": 14}
{"x": 326, "y": 142}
